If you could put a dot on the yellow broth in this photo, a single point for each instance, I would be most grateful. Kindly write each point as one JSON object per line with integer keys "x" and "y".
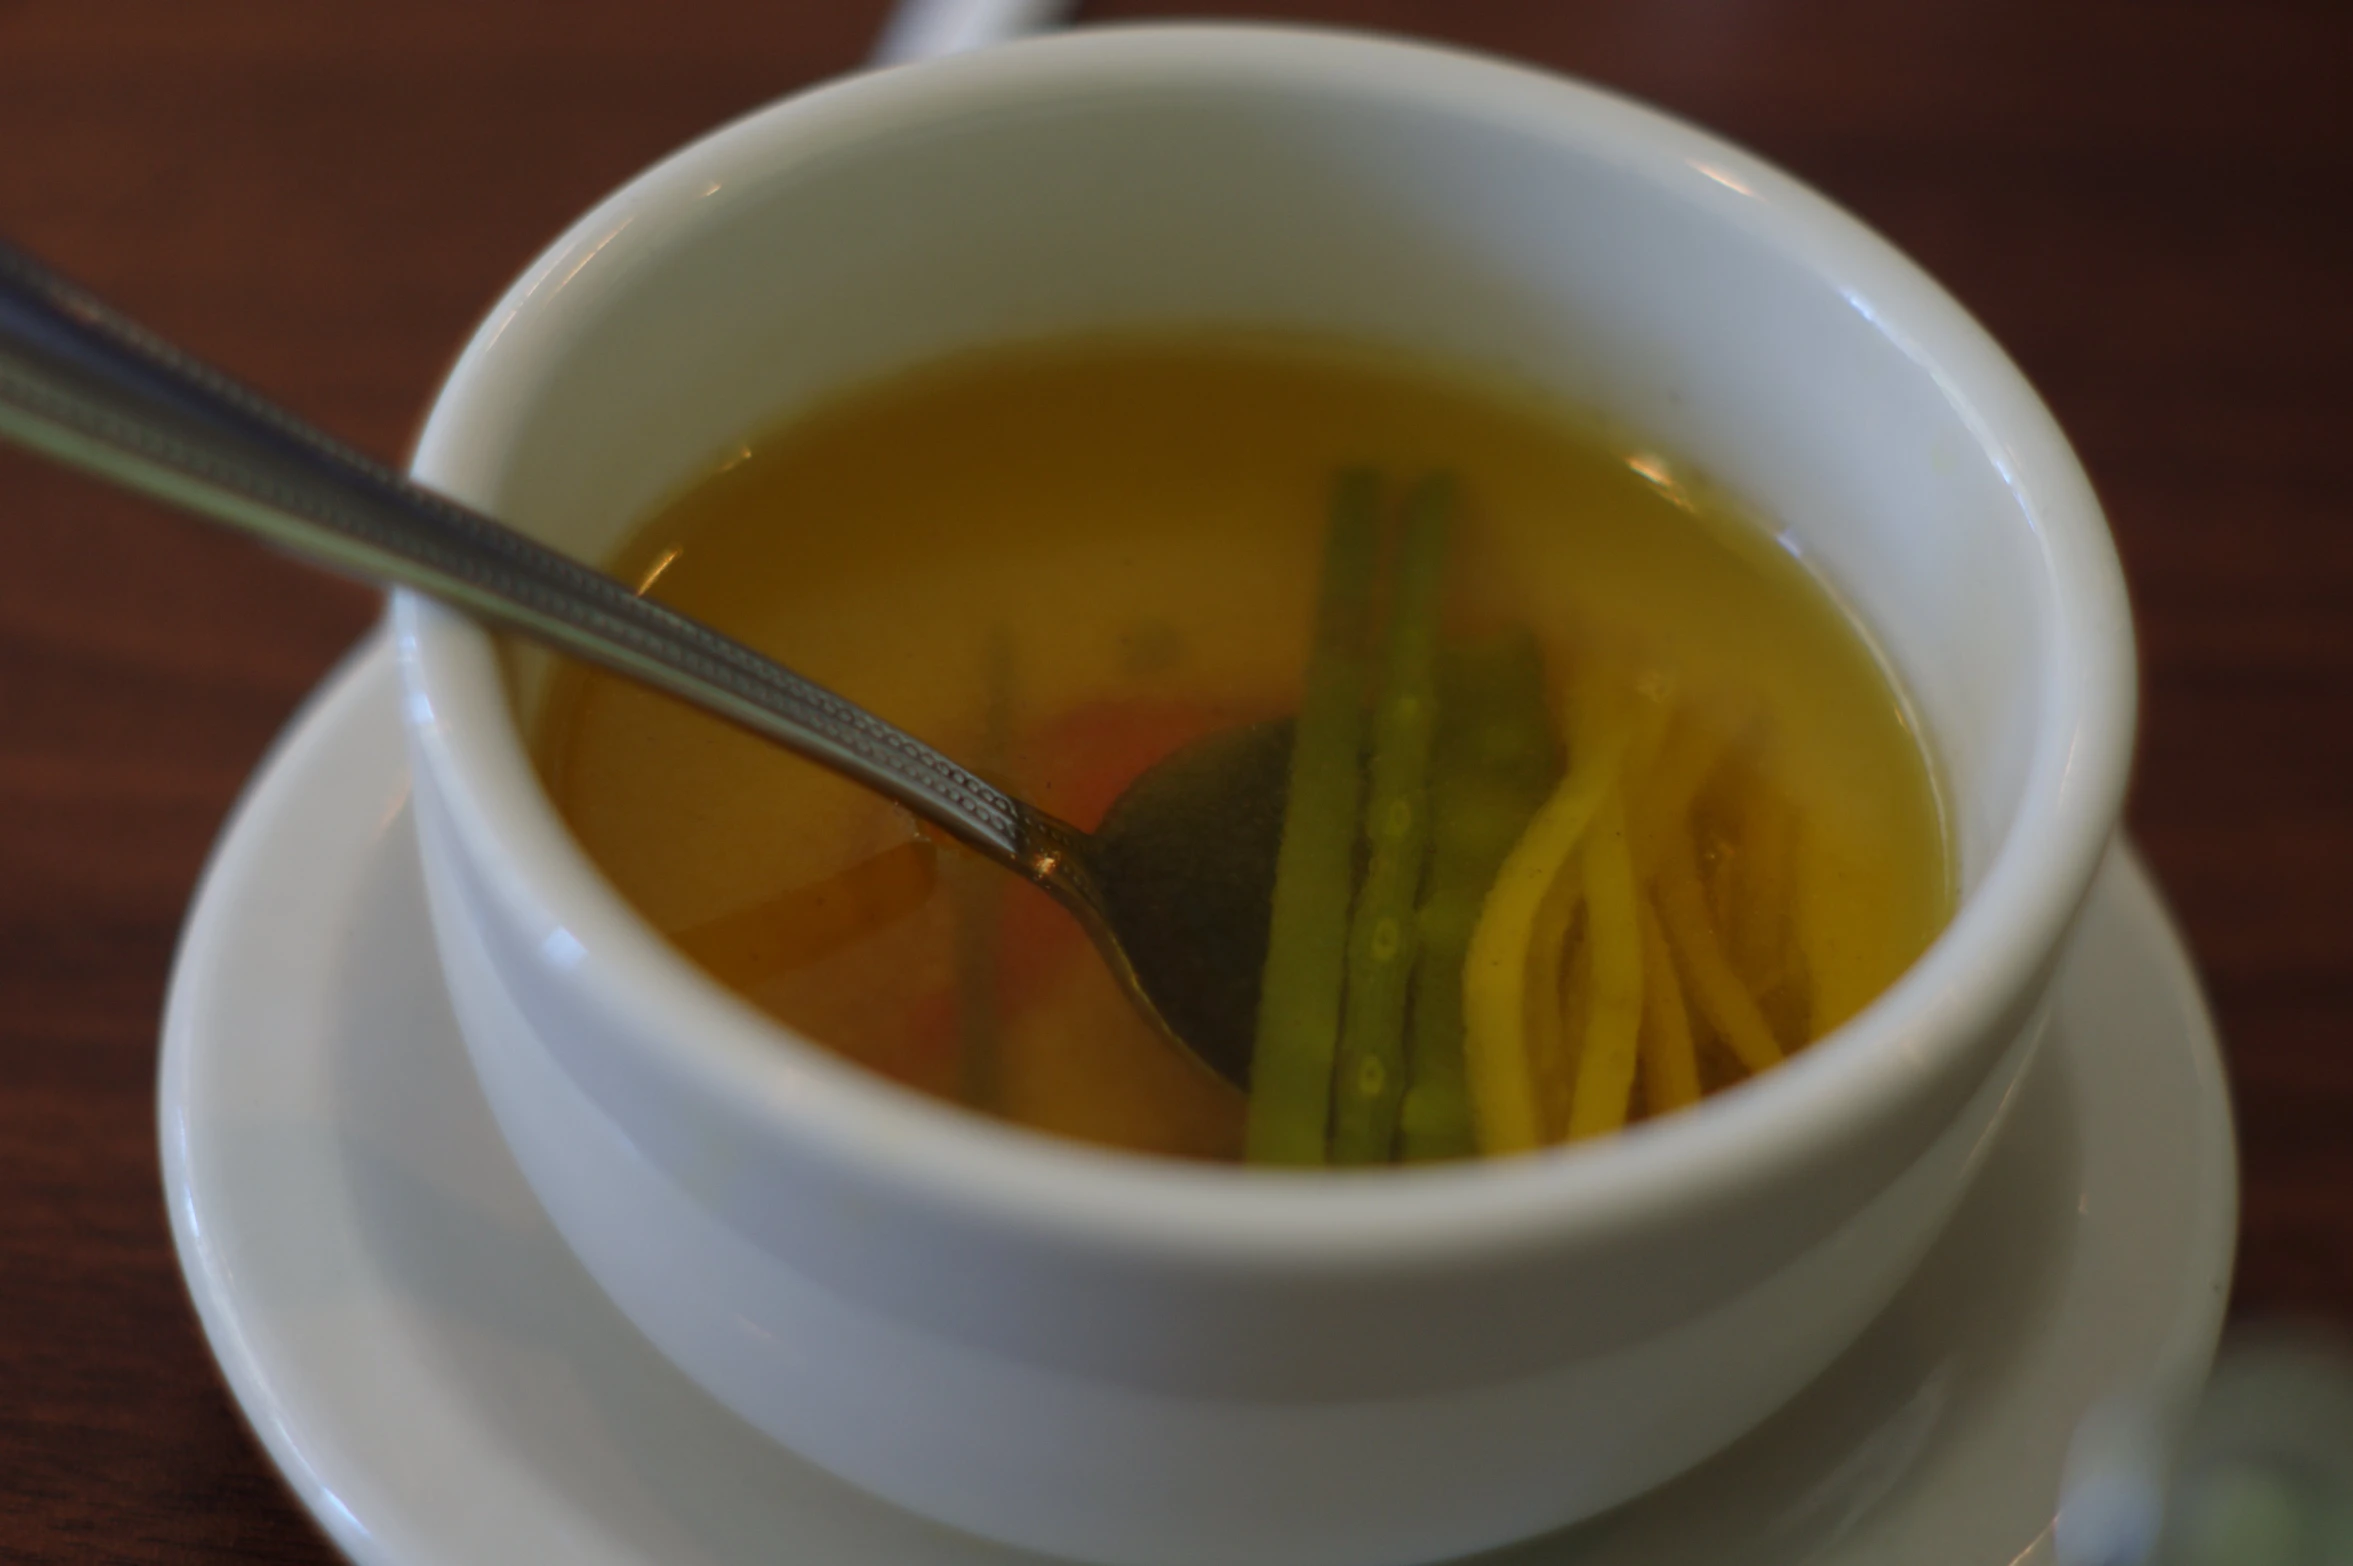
{"x": 1060, "y": 561}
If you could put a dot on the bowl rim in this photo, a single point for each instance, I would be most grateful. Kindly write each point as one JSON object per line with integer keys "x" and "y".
{"x": 2004, "y": 935}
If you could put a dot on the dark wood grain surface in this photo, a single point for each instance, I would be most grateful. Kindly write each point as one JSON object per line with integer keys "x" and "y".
{"x": 2150, "y": 202}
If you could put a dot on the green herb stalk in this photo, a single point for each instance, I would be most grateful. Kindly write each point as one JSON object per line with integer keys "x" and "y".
{"x": 1494, "y": 760}
{"x": 1315, "y": 867}
{"x": 1368, "y": 1081}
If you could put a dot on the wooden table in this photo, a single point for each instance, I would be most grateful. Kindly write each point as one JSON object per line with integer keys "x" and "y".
{"x": 2149, "y": 201}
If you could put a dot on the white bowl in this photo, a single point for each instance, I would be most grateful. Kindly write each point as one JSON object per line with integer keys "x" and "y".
{"x": 1142, "y": 1362}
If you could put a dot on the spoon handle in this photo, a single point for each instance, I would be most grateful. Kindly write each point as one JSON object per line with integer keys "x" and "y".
{"x": 84, "y": 386}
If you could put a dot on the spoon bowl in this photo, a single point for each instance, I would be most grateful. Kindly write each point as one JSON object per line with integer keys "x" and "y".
{"x": 1185, "y": 862}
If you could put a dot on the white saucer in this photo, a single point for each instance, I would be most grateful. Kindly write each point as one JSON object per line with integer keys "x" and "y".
{"x": 440, "y": 1382}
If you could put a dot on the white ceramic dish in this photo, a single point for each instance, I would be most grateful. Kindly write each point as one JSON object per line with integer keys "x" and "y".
{"x": 1168, "y": 1365}
{"x": 443, "y": 1385}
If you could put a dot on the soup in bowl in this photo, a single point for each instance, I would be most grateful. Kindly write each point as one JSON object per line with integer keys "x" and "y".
{"x": 1028, "y": 397}
{"x": 1629, "y": 809}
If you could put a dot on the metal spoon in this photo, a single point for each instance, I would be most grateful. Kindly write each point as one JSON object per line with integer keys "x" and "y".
{"x": 1173, "y": 888}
